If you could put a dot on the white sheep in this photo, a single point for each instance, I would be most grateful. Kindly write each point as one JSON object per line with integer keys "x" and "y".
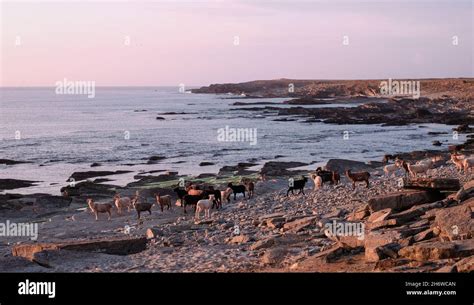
{"x": 318, "y": 181}
{"x": 415, "y": 169}
{"x": 225, "y": 195}
{"x": 390, "y": 169}
{"x": 204, "y": 205}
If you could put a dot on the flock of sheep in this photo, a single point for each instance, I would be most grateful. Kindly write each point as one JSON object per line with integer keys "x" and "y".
{"x": 206, "y": 198}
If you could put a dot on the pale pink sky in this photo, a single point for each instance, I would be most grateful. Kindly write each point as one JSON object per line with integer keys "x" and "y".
{"x": 191, "y": 42}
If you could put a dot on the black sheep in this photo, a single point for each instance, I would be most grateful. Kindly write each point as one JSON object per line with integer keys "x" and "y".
{"x": 297, "y": 185}
{"x": 190, "y": 200}
{"x": 237, "y": 189}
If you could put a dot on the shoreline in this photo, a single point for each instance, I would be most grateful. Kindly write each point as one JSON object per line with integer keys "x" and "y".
{"x": 273, "y": 231}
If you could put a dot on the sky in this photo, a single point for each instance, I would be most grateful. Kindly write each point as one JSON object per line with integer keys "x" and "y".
{"x": 167, "y": 43}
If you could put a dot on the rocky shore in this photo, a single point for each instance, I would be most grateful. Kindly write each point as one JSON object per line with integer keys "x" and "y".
{"x": 407, "y": 227}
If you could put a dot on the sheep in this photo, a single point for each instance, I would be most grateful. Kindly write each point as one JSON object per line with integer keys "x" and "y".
{"x": 328, "y": 176}
{"x": 163, "y": 201}
{"x": 180, "y": 192}
{"x": 121, "y": 203}
{"x": 297, "y": 185}
{"x": 226, "y": 194}
{"x": 190, "y": 200}
{"x": 195, "y": 192}
{"x": 458, "y": 161}
{"x": 415, "y": 169}
{"x": 318, "y": 181}
{"x": 97, "y": 208}
{"x": 217, "y": 201}
{"x": 236, "y": 189}
{"x": 141, "y": 206}
{"x": 204, "y": 205}
{"x": 356, "y": 177}
{"x": 390, "y": 169}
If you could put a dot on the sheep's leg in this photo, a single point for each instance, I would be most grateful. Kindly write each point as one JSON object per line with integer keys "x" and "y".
{"x": 96, "y": 216}
{"x": 162, "y": 206}
{"x": 353, "y": 185}
{"x": 367, "y": 182}
{"x": 110, "y": 214}
{"x": 149, "y": 211}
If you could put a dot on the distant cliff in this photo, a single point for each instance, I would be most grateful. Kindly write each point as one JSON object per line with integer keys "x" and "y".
{"x": 459, "y": 88}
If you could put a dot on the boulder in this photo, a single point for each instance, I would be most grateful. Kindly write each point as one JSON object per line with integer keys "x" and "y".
{"x": 455, "y": 222}
{"x": 117, "y": 246}
{"x": 262, "y": 244}
{"x": 239, "y": 239}
{"x": 415, "y": 211}
{"x": 299, "y": 224}
{"x": 11, "y": 184}
{"x": 380, "y": 215}
{"x": 274, "y": 255}
{"x": 466, "y": 192}
{"x": 438, "y": 250}
{"x": 440, "y": 184}
{"x": 77, "y": 176}
{"x": 279, "y": 168}
{"x": 465, "y": 265}
{"x": 154, "y": 232}
{"x": 401, "y": 200}
{"x": 359, "y": 214}
{"x": 275, "y": 223}
{"x": 341, "y": 165}
{"x": 374, "y": 242}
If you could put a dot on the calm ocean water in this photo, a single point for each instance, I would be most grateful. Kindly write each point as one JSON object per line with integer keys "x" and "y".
{"x": 60, "y": 134}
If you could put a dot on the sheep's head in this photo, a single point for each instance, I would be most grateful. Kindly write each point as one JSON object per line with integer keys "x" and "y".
{"x": 211, "y": 197}
{"x": 229, "y": 184}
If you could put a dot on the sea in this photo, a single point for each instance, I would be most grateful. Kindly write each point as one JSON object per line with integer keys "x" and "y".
{"x": 58, "y": 134}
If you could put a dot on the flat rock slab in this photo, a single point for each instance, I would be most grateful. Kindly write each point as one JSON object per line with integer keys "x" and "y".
{"x": 117, "y": 246}
{"x": 401, "y": 200}
{"x": 438, "y": 250}
{"x": 441, "y": 184}
{"x": 455, "y": 222}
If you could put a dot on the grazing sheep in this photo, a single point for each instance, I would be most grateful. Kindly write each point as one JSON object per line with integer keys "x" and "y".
{"x": 97, "y": 208}
{"x": 122, "y": 203}
{"x": 163, "y": 201}
{"x": 236, "y": 189}
{"x": 318, "y": 181}
{"x": 226, "y": 194}
{"x": 356, "y": 177}
{"x": 297, "y": 185}
{"x": 141, "y": 206}
{"x": 204, "y": 205}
